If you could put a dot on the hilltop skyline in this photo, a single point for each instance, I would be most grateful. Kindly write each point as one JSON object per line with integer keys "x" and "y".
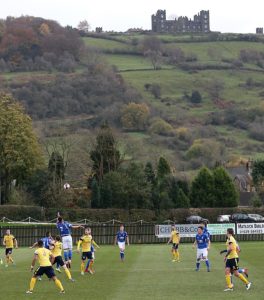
{"x": 120, "y": 15}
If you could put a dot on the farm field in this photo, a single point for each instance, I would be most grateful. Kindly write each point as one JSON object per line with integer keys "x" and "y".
{"x": 147, "y": 273}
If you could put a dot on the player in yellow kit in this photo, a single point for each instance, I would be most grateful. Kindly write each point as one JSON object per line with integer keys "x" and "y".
{"x": 9, "y": 242}
{"x": 231, "y": 260}
{"x": 86, "y": 242}
{"x": 56, "y": 250}
{"x": 175, "y": 239}
{"x": 45, "y": 259}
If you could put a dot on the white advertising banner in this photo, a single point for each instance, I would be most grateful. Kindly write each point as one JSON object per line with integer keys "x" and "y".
{"x": 220, "y": 229}
{"x": 250, "y": 228}
{"x": 185, "y": 230}
{"x": 190, "y": 230}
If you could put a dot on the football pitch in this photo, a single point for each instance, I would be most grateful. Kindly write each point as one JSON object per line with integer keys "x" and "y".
{"x": 148, "y": 273}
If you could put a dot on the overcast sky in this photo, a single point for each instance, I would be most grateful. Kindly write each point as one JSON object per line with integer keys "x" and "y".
{"x": 119, "y": 15}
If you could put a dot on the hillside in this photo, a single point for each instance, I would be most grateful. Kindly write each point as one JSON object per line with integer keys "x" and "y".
{"x": 217, "y": 120}
{"x": 224, "y": 124}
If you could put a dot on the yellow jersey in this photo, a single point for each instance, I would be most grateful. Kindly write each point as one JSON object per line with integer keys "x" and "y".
{"x": 233, "y": 253}
{"x": 57, "y": 250}
{"x": 86, "y": 243}
{"x": 175, "y": 237}
{"x": 43, "y": 255}
{"x": 9, "y": 241}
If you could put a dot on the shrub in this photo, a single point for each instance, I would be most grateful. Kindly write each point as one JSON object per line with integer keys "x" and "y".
{"x": 196, "y": 97}
{"x": 256, "y": 201}
{"x": 161, "y": 127}
{"x": 135, "y": 116}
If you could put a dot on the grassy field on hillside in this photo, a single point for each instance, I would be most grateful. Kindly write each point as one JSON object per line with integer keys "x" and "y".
{"x": 104, "y": 44}
{"x": 147, "y": 273}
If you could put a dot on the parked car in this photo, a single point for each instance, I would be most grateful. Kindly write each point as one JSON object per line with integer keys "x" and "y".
{"x": 195, "y": 220}
{"x": 223, "y": 218}
{"x": 242, "y": 218}
{"x": 256, "y": 217}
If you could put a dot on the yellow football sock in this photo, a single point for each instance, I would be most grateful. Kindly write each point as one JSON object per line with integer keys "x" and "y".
{"x": 32, "y": 283}
{"x": 241, "y": 277}
{"x": 11, "y": 259}
{"x": 91, "y": 264}
{"x": 228, "y": 281}
{"x": 174, "y": 254}
{"x": 178, "y": 255}
{"x": 59, "y": 285}
{"x": 68, "y": 273}
{"x": 82, "y": 267}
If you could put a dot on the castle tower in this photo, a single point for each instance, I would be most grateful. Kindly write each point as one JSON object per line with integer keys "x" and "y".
{"x": 205, "y": 21}
{"x": 158, "y": 21}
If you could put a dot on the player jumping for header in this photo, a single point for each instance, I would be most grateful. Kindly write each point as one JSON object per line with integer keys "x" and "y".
{"x": 65, "y": 233}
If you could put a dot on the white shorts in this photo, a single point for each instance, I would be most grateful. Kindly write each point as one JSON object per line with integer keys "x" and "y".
{"x": 202, "y": 253}
{"x": 122, "y": 245}
{"x": 67, "y": 242}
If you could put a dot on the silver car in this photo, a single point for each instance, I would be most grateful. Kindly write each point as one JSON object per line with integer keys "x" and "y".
{"x": 256, "y": 217}
{"x": 223, "y": 218}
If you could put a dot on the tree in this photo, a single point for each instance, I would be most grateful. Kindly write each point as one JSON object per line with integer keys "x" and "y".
{"x": 258, "y": 173}
{"x": 182, "y": 200}
{"x": 207, "y": 151}
{"x": 202, "y": 189}
{"x": 161, "y": 127}
{"x": 151, "y": 47}
{"x": 176, "y": 56}
{"x": 155, "y": 90}
{"x": 196, "y": 97}
{"x": 225, "y": 193}
{"x": 84, "y": 26}
{"x": 56, "y": 169}
{"x": 216, "y": 88}
{"x": 139, "y": 188}
{"x": 44, "y": 29}
{"x": 114, "y": 190}
{"x": 135, "y": 116}
{"x": 96, "y": 196}
{"x": 20, "y": 152}
{"x": 163, "y": 168}
{"x": 149, "y": 173}
{"x": 105, "y": 156}
{"x": 58, "y": 151}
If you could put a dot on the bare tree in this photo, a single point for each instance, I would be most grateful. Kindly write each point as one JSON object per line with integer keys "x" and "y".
{"x": 215, "y": 89}
{"x": 84, "y": 26}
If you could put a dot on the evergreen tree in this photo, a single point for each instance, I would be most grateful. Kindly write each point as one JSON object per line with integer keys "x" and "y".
{"x": 258, "y": 172}
{"x": 182, "y": 200}
{"x": 196, "y": 97}
{"x": 149, "y": 173}
{"x": 95, "y": 199}
{"x": 163, "y": 168}
{"x": 225, "y": 192}
{"x": 105, "y": 155}
{"x": 202, "y": 190}
{"x": 114, "y": 190}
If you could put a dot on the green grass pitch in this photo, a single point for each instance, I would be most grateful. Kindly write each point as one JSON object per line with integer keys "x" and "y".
{"x": 147, "y": 273}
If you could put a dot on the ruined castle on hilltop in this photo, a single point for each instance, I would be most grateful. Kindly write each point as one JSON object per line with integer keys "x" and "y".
{"x": 199, "y": 24}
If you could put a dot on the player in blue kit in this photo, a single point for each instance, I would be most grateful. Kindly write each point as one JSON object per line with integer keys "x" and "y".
{"x": 202, "y": 243}
{"x": 205, "y": 230}
{"x": 65, "y": 233}
{"x": 121, "y": 239}
{"x": 47, "y": 240}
